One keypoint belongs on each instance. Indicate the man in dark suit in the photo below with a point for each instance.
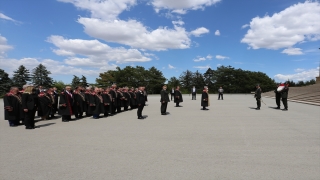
(194, 93)
(141, 102)
(257, 95)
(284, 96)
(164, 100)
(205, 102)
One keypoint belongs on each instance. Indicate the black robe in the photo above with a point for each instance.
(107, 101)
(65, 104)
(204, 99)
(13, 107)
(97, 103)
(133, 99)
(127, 99)
(45, 105)
(177, 96)
(120, 99)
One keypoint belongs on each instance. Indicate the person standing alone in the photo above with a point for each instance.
(164, 100)
(257, 95)
(194, 93)
(220, 91)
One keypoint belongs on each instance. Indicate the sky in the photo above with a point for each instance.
(88, 37)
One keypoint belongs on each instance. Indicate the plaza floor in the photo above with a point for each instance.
(232, 140)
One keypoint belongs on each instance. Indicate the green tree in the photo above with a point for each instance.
(59, 85)
(40, 76)
(186, 79)
(173, 82)
(155, 80)
(83, 81)
(21, 76)
(5, 82)
(106, 79)
(75, 81)
(198, 80)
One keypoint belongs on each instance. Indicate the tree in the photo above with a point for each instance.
(59, 85)
(156, 80)
(173, 82)
(75, 81)
(21, 76)
(198, 80)
(5, 82)
(106, 79)
(40, 76)
(186, 79)
(83, 82)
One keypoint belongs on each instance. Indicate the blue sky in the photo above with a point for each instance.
(87, 37)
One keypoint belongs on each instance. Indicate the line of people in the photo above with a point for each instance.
(21, 106)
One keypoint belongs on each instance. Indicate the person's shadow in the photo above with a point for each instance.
(45, 125)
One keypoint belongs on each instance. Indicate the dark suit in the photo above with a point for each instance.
(141, 103)
(284, 96)
(204, 100)
(177, 97)
(194, 93)
(278, 97)
(258, 97)
(164, 101)
(65, 106)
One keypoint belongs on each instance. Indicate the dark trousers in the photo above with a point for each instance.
(13, 122)
(118, 109)
(164, 107)
(106, 110)
(139, 111)
(285, 103)
(172, 95)
(177, 104)
(113, 109)
(29, 118)
(194, 96)
(66, 117)
(258, 102)
(220, 94)
(278, 102)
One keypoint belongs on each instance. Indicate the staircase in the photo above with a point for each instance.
(306, 94)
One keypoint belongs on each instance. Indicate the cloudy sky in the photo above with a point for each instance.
(87, 37)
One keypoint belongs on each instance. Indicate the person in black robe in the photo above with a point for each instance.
(87, 96)
(45, 104)
(79, 102)
(284, 96)
(145, 95)
(13, 107)
(65, 104)
(127, 98)
(97, 103)
(113, 93)
(141, 102)
(107, 101)
(120, 99)
(29, 106)
(205, 99)
(133, 99)
(164, 100)
(56, 99)
(178, 97)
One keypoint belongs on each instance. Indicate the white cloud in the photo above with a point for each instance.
(218, 65)
(182, 4)
(109, 9)
(292, 51)
(96, 53)
(217, 33)
(299, 70)
(4, 47)
(55, 67)
(2, 16)
(136, 35)
(198, 59)
(198, 32)
(209, 56)
(301, 75)
(221, 57)
(171, 67)
(202, 67)
(245, 26)
(297, 23)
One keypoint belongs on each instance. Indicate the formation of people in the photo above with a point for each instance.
(23, 105)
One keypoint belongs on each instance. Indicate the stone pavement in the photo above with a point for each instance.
(230, 141)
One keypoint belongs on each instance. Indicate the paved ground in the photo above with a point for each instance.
(230, 141)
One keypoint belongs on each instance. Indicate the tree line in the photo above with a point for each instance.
(230, 79)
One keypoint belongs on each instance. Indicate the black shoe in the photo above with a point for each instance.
(65, 121)
(285, 109)
(29, 127)
(257, 108)
(141, 117)
(163, 113)
(278, 108)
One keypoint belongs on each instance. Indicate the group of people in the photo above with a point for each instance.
(279, 94)
(23, 105)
